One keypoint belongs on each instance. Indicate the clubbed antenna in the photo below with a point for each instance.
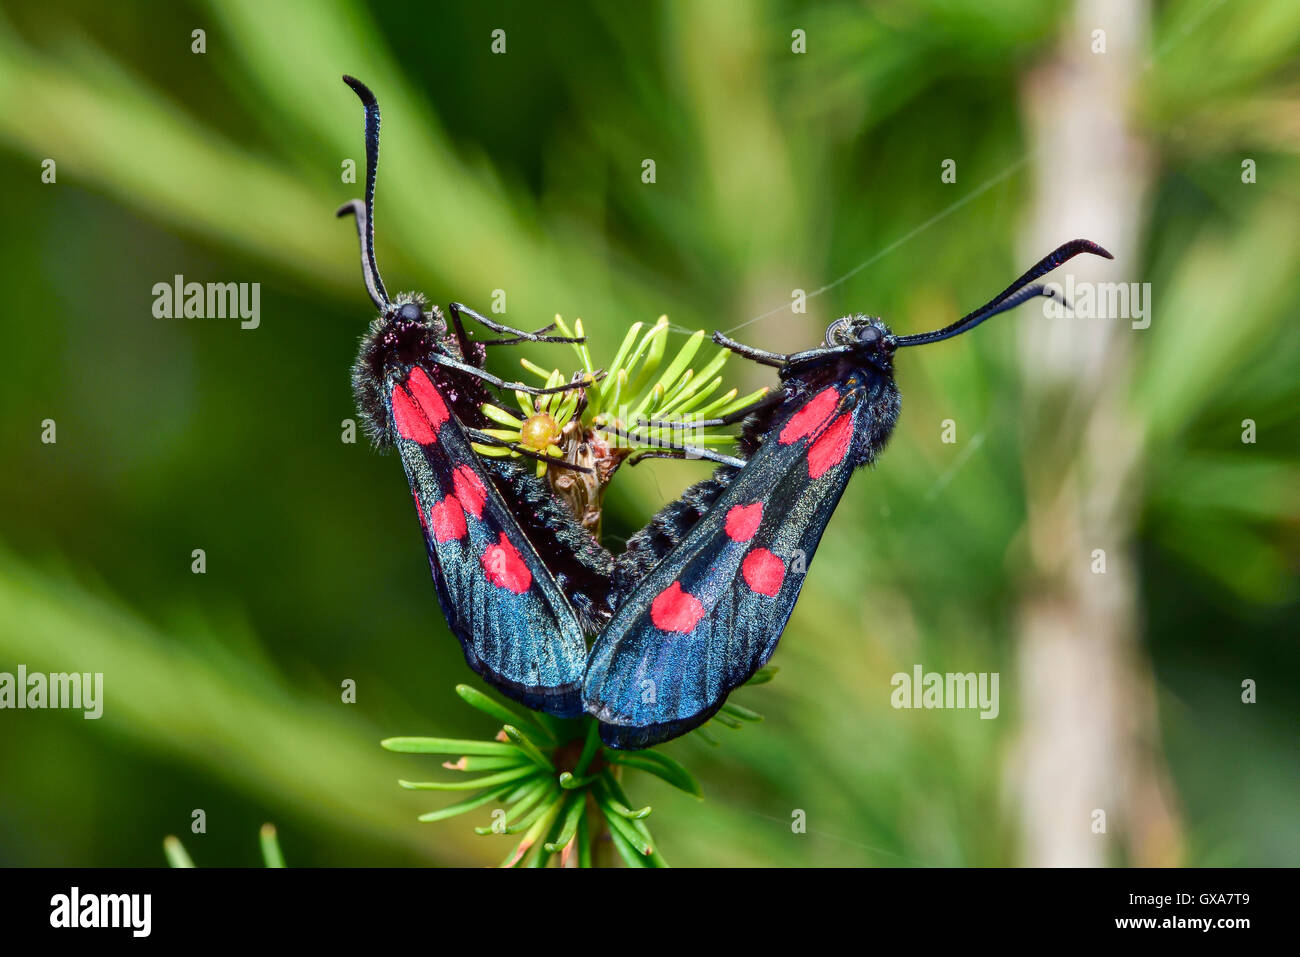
(1018, 292)
(365, 215)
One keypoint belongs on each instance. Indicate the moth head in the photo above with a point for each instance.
(867, 335)
(412, 316)
(408, 312)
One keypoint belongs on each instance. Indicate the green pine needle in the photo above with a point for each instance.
(447, 746)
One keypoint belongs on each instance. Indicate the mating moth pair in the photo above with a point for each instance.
(696, 603)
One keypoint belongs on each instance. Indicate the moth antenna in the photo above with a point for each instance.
(377, 293)
(366, 216)
(1015, 294)
(1017, 298)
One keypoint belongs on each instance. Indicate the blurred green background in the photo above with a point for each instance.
(775, 171)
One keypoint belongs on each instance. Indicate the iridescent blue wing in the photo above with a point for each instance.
(710, 613)
(515, 625)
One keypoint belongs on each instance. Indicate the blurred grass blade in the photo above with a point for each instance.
(177, 856)
(272, 856)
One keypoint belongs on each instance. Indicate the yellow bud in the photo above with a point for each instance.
(538, 431)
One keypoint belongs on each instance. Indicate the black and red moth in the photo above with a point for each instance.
(703, 593)
(518, 579)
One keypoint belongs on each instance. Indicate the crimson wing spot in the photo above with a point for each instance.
(448, 519)
(811, 417)
(829, 448)
(743, 520)
(406, 416)
(676, 610)
(427, 395)
(469, 490)
(505, 567)
(418, 409)
(764, 571)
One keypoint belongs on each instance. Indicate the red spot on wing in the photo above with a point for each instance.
(406, 416)
(742, 521)
(448, 519)
(830, 446)
(418, 409)
(764, 572)
(505, 567)
(811, 417)
(469, 489)
(676, 610)
(426, 393)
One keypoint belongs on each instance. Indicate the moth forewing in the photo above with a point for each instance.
(709, 615)
(514, 624)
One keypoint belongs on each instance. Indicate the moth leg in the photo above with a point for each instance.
(462, 336)
(457, 308)
(514, 341)
(688, 451)
(492, 380)
(749, 352)
(636, 457)
(503, 342)
(484, 439)
(731, 418)
(786, 363)
(812, 357)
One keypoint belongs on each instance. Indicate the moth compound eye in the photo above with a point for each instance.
(410, 312)
(837, 333)
(871, 336)
(538, 432)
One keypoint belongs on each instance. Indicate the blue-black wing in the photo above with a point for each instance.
(515, 625)
(710, 613)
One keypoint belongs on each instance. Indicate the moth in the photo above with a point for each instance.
(519, 580)
(704, 591)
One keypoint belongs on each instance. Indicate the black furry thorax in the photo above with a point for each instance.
(392, 346)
